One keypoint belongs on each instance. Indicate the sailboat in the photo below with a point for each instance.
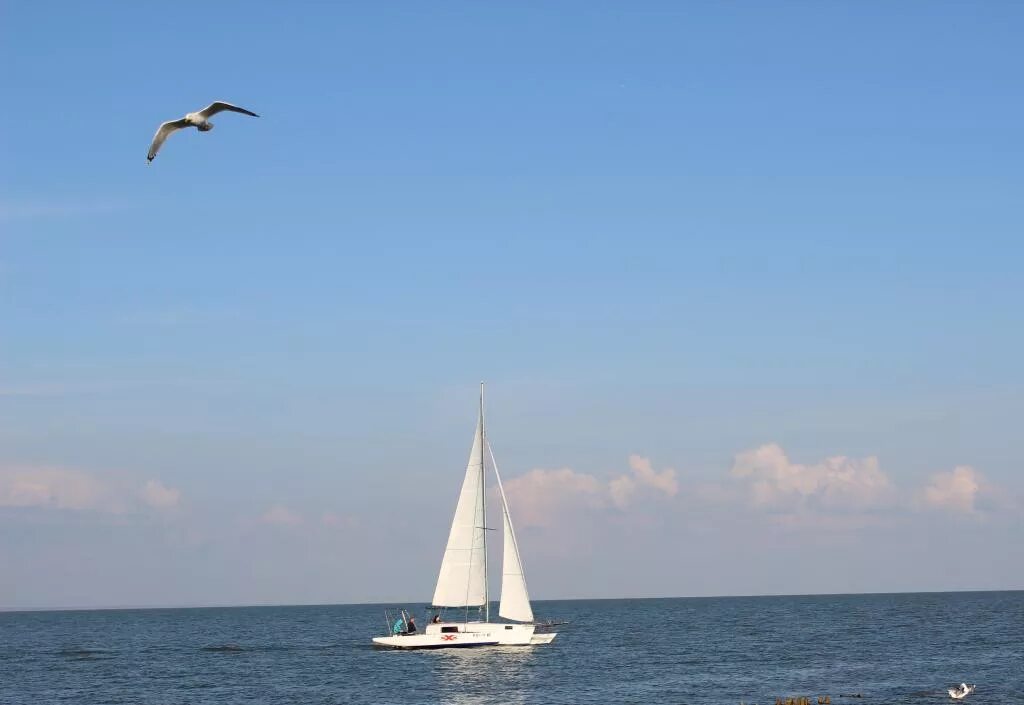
(462, 582)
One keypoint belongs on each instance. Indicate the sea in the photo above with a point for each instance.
(853, 649)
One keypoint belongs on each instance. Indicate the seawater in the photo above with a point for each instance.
(899, 648)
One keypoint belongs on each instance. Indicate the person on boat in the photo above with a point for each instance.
(399, 626)
(412, 625)
(436, 619)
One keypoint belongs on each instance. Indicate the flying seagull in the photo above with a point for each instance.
(199, 120)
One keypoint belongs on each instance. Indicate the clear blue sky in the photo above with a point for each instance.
(246, 372)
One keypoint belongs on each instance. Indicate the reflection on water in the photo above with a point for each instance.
(478, 676)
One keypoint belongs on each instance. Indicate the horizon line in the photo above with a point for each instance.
(267, 605)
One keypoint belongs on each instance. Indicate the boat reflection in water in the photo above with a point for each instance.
(478, 676)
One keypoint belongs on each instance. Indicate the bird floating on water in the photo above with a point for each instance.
(199, 120)
(961, 691)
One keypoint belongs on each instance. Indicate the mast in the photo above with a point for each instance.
(483, 501)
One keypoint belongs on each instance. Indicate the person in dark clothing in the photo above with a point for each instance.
(411, 622)
(436, 619)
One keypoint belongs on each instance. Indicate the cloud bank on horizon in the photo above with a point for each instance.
(588, 518)
(56, 488)
(762, 479)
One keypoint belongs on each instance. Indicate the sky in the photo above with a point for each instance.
(744, 281)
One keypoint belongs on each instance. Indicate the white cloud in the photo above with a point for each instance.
(60, 488)
(621, 490)
(539, 496)
(279, 515)
(56, 488)
(837, 482)
(71, 489)
(955, 491)
(156, 494)
(665, 481)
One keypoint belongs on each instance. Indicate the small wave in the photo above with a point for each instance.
(84, 653)
(224, 648)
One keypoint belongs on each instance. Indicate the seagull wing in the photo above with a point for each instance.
(220, 106)
(161, 134)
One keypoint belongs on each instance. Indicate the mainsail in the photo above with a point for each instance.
(515, 600)
(463, 578)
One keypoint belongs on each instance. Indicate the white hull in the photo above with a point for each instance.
(453, 635)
